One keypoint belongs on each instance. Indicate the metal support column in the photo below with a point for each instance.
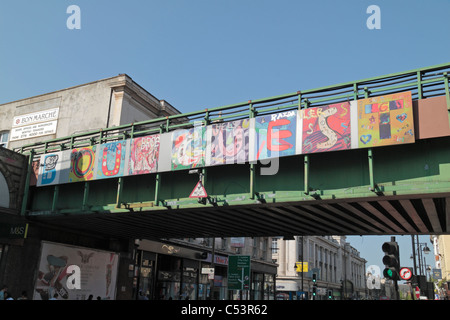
(252, 164)
(158, 175)
(447, 94)
(27, 183)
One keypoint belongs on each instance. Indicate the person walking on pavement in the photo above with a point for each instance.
(2, 292)
(23, 296)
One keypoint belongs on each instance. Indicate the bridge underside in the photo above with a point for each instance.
(418, 214)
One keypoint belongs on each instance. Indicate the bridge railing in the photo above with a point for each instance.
(423, 83)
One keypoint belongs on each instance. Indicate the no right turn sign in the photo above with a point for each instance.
(405, 273)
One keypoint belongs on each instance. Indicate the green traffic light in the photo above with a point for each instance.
(389, 273)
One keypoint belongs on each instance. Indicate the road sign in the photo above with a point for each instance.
(301, 266)
(199, 191)
(238, 272)
(405, 273)
(437, 274)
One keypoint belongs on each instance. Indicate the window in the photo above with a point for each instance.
(274, 245)
(4, 135)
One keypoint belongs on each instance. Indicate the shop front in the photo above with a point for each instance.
(170, 272)
(287, 290)
(263, 282)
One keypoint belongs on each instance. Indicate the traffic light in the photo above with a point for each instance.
(314, 283)
(330, 294)
(391, 260)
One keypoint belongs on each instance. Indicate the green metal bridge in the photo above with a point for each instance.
(381, 176)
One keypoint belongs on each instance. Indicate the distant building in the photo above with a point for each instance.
(339, 269)
(441, 245)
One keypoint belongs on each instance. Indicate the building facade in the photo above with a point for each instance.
(441, 246)
(178, 269)
(338, 269)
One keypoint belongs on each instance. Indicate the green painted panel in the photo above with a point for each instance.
(422, 167)
(289, 175)
(41, 198)
(339, 170)
(177, 184)
(424, 161)
(228, 179)
(144, 193)
(102, 192)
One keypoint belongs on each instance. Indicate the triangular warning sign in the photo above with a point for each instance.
(199, 191)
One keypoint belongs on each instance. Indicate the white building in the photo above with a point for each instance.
(339, 268)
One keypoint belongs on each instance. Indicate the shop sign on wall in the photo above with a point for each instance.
(35, 124)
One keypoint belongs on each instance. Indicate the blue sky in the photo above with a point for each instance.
(200, 54)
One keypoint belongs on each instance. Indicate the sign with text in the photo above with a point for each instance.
(14, 231)
(96, 271)
(34, 124)
(239, 273)
(301, 266)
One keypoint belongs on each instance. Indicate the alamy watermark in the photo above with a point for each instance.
(74, 20)
(373, 277)
(189, 148)
(74, 277)
(374, 20)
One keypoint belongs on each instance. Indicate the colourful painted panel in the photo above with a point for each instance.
(82, 163)
(111, 159)
(326, 128)
(230, 142)
(144, 155)
(50, 169)
(188, 148)
(385, 120)
(275, 135)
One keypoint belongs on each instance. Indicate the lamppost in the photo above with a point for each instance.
(425, 250)
(420, 258)
(421, 248)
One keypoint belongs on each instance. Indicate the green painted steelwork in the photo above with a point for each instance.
(423, 82)
(447, 93)
(397, 170)
(420, 168)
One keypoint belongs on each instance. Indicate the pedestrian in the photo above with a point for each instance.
(23, 296)
(142, 296)
(91, 297)
(55, 297)
(8, 296)
(2, 292)
(99, 298)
